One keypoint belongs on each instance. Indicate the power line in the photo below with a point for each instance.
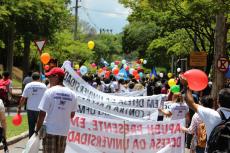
(104, 12)
(90, 20)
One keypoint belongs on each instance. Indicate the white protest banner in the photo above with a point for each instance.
(133, 93)
(94, 102)
(91, 134)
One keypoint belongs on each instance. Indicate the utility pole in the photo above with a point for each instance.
(76, 20)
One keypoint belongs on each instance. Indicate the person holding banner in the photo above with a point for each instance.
(57, 107)
(178, 110)
(195, 125)
(210, 117)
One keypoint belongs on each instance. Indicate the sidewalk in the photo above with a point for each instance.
(15, 139)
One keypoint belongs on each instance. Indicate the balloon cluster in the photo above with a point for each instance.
(141, 61)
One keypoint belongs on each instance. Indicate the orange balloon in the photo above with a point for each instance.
(45, 58)
(137, 77)
(107, 74)
(115, 71)
(100, 70)
(135, 72)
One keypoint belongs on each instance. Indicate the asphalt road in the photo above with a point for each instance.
(19, 146)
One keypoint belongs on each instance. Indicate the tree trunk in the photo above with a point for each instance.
(9, 45)
(219, 51)
(209, 62)
(26, 55)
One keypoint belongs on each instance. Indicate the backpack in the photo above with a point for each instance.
(107, 88)
(219, 140)
(201, 135)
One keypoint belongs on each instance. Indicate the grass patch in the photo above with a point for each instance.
(17, 83)
(13, 130)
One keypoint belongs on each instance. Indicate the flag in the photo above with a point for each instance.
(227, 75)
(153, 72)
(122, 74)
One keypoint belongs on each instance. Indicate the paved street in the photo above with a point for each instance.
(18, 147)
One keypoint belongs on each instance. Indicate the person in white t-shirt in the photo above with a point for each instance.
(107, 86)
(33, 93)
(115, 84)
(210, 117)
(57, 107)
(178, 109)
(122, 88)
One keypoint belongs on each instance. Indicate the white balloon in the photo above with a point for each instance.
(178, 69)
(83, 70)
(123, 61)
(161, 75)
(131, 70)
(145, 61)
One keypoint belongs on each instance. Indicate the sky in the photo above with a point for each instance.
(107, 14)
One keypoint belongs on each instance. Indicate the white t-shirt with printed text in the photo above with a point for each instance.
(110, 85)
(58, 102)
(178, 110)
(33, 92)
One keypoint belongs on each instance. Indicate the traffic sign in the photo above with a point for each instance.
(222, 64)
(40, 45)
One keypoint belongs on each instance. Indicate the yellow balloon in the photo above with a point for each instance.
(172, 82)
(170, 75)
(141, 60)
(152, 77)
(91, 45)
(148, 76)
(76, 66)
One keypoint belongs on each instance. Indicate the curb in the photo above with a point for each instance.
(15, 139)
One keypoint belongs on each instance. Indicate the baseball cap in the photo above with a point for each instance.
(56, 71)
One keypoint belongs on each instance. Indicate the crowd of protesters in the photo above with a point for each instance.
(193, 106)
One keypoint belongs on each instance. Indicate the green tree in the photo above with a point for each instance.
(205, 22)
(29, 20)
(107, 46)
